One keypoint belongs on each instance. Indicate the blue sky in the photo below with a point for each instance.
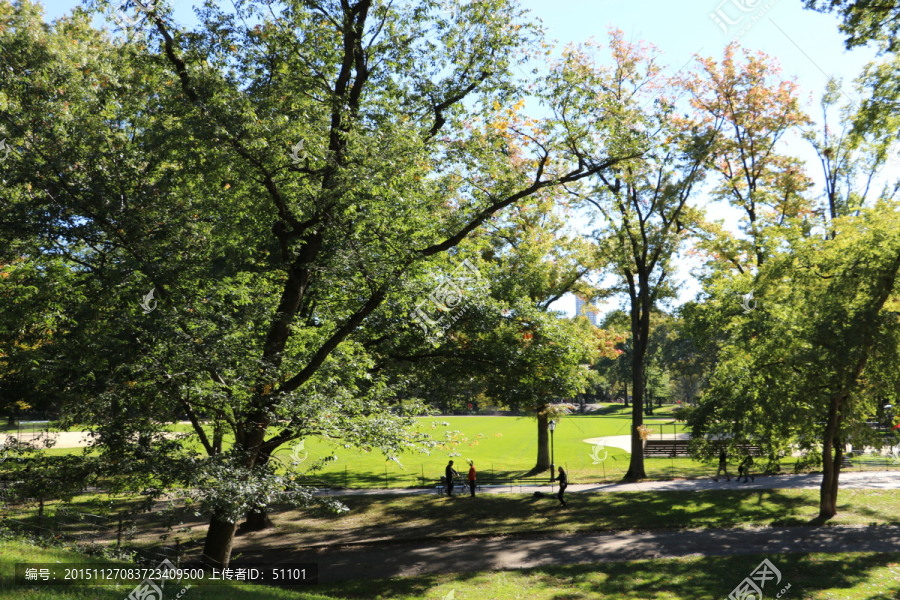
(807, 44)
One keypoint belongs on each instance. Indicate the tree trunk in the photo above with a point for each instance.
(220, 534)
(636, 464)
(829, 489)
(256, 520)
(219, 540)
(625, 384)
(831, 461)
(640, 330)
(543, 449)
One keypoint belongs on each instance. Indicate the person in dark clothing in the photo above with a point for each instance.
(723, 466)
(472, 476)
(563, 480)
(449, 474)
(744, 469)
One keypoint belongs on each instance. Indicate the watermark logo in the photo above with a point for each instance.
(736, 17)
(144, 7)
(748, 303)
(146, 303)
(451, 595)
(152, 589)
(299, 452)
(751, 588)
(4, 150)
(893, 155)
(298, 153)
(3, 453)
(445, 305)
(595, 453)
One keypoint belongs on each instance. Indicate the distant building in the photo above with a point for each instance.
(584, 309)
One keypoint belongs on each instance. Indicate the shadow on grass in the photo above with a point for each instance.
(380, 518)
(692, 578)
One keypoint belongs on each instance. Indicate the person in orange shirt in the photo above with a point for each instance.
(472, 476)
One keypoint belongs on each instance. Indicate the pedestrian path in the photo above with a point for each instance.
(884, 480)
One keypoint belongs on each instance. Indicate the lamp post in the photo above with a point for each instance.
(551, 426)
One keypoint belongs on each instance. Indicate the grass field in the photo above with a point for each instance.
(502, 447)
(848, 576)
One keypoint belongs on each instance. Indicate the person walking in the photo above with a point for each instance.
(723, 466)
(472, 476)
(563, 480)
(449, 474)
(744, 468)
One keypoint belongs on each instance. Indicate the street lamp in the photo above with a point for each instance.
(551, 426)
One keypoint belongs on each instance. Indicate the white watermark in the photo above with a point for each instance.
(447, 303)
(152, 589)
(124, 16)
(595, 453)
(298, 153)
(736, 17)
(751, 588)
(748, 303)
(893, 155)
(146, 303)
(299, 452)
(4, 150)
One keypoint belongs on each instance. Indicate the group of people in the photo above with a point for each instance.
(450, 474)
(743, 468)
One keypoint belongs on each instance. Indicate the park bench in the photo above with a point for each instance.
(679, 448)
(666, 448)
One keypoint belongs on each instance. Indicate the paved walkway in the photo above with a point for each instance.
(881, 480)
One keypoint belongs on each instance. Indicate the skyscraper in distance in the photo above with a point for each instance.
(584, 309)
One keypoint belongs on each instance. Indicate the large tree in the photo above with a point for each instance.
(268, 187)
(800, 369)
(639, 206)
(752, 109)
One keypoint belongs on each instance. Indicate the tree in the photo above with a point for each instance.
(506, 346)
(267, 193)
(752, 111)
(639, 206)
(852, 156)
(795, 369)
(864, 20)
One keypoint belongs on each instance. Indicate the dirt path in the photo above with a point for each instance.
(376, 561)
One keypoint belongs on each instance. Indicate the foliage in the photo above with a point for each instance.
(865, 21)
(819, 332)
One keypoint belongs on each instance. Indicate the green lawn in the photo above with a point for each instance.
(848, 576)
(501, 447)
